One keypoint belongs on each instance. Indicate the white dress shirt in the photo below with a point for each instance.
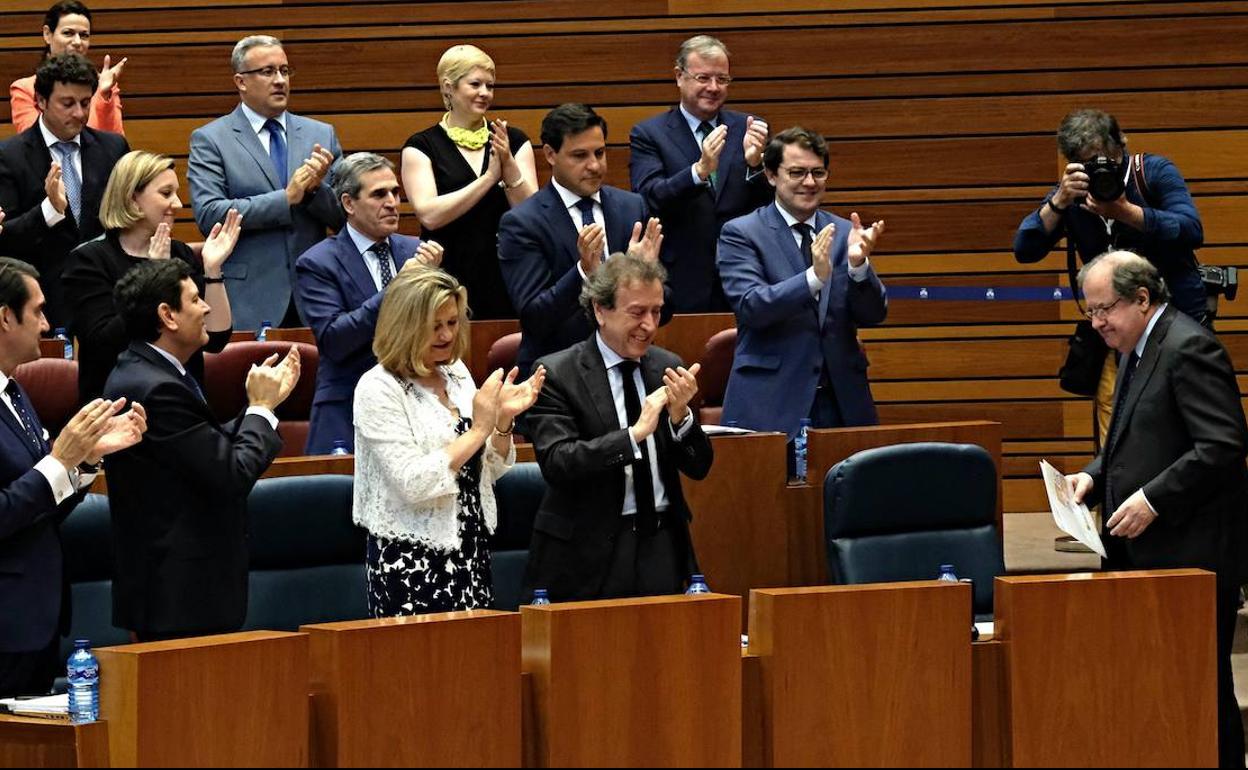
(50, 215)
(257, 122)
(615, 378)
(857, 274)
(371, 260)
(570, 199)
(59, 478)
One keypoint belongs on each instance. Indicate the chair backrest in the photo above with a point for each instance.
(53, 387)
(898, 512)
(86, 537)
(502, 354)
(713, 379)
(519, 494)
(307, 556)
(225, 378)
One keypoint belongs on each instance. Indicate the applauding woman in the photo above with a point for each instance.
(137, 212)
(428, 447)
(462, 175)
(67, 29)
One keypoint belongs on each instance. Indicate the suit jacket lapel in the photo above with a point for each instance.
(785, 242)
(1139, 382)
(251, 143)
(563, 232)
(727, 159)
(598, 390)
(93, 181)
(618, 232)
(10, 419)
(678, 128)
(297, 146)
(352, 263)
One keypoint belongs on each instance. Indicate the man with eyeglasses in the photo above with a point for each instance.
(698, 165)
(1170, 474)
(274, 167)
(800, 282)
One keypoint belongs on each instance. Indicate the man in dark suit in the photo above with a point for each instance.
(1171, 473)
(179, 498)
(800, 283)
(52, 175)
(341, 282)
(41, 483)
(613, 431)
(698, 165)
(549, 245)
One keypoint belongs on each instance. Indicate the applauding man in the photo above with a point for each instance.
(179, 498)
(800, 283)
(613, 431)
(273, 166)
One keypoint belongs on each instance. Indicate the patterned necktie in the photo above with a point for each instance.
(704, 130)
(277, 148)
(69, 175)
(643, 483)
(586, 205)
(25, 417)
(382, 250)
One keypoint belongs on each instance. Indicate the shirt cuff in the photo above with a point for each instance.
(860, 273)
(680, 431)
(267, 414)
(750, 173)
(58, 478)
(1150, 505)
(50, 214)
(581, 271)
(697, 179)
(813, 283)
(633, 441)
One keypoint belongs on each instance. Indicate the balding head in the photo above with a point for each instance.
(1123, 291)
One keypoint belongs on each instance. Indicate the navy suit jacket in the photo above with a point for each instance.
(662, 151)
(783, 338)
(341, 302)
(537, 252)
(31, 572)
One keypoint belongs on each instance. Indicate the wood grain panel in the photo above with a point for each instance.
(43, 743)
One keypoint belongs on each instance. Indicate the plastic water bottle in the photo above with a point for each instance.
(64, 338)
(799, 450)
(83, 671)
(263, 334)
(340, 448)
(947, 574)
(697, 585)
(539, 597)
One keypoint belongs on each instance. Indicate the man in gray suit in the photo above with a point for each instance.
(272, 166)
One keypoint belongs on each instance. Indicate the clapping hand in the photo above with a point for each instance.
(590, 244)
(755, 141)
(651, 408)
(110, 76)
(514, 399)
(123, 431)
(862, 241)
(54, 188)
(159, 246)
(270, 383)
(79, 440)
(646, 245)
(221, 242)
(712, 146)
(485, 404)
(429, 253)
(821, 252)
(682, 385)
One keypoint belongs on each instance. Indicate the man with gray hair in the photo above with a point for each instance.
(613, 432)
(698, 165)
(340, 283)
(1170, 474)
(272, 166)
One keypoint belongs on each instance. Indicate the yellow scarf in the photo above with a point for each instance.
(469, 139)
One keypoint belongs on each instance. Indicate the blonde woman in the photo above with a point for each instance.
(137, 211)
(462, 174)
(428, 447)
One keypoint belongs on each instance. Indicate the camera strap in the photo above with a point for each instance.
(1141, 180)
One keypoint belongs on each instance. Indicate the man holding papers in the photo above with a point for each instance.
(1171, 473)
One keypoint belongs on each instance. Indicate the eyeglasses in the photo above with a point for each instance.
(1093, 313)
(797, 173)
(705, 80)
(268, 73)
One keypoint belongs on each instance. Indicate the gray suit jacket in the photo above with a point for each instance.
(229, 168)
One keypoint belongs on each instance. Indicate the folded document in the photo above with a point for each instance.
(1072, 518)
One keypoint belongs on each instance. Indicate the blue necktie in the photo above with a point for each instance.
(25, 418)
(586, 205)
(193, 384)
(277, 148)
(382, 250)
(69, 175)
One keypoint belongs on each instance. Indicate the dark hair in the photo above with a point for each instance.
(620, 270)
(65, 68)
(64, 8)
(1083, 131)
(807, 140)
(140, 293)
(14, 293)
(569, 120)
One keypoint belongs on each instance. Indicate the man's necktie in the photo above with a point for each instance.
(277, 148)
(704, 130)
(193, 384)
(807, 233)
(25, 417)
(1120, 398)
(643, 483)
(69, 176)
(586, 205)
(382, 250)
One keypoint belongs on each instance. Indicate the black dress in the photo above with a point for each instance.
(93, 271)
(406, 578)
(471, 242)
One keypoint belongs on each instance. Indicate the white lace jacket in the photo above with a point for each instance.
(404, 486)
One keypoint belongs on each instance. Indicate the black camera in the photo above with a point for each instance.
(1107, 178)
(1220, 281)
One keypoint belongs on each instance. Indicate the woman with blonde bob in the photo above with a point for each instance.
(428, 447)
(137, 211)
(463, 173)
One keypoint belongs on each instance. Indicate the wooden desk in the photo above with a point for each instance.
(45, 743)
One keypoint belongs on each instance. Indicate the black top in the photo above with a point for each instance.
(93, 271)
(471, 242)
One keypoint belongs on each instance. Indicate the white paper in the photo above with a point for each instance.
(1070, 517)
(51, 706)
(724, 430)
